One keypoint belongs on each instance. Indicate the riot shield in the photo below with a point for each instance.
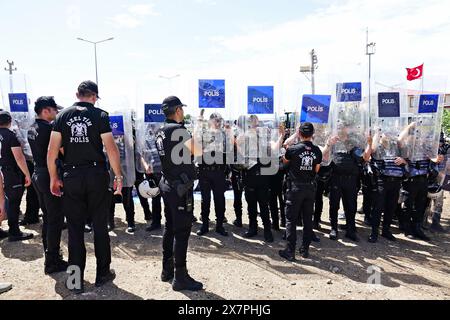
(121, 125)
(216, 139)
(350, 125)
(316, 110)
(19, 105)
(150, 118)
(256, 143)
(391, 134)
(427, 124)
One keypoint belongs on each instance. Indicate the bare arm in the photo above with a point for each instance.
(368, 152)
(114, 160)
(291, 140)
(22, 163)
(194, 147)
(52, 155)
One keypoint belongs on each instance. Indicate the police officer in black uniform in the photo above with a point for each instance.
(344, 184)
(304, 161)
(15, 174)
(212, 175)
(176, 149)
(39, 137)
(257, 183)
(237, 179)
(83, 131)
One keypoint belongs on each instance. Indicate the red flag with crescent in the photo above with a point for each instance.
(414, 73)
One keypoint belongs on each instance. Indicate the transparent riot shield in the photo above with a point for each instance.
(122, 129)
(17, 97)
(215, 139)
(257, 143)
(150, 119)
(350, 125)
(391, 134)
(316, 110)
(427, 125)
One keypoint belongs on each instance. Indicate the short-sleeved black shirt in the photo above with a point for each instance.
(173, 163)
(303, 159)
(8, 140)
(81, 127)
(39, 138)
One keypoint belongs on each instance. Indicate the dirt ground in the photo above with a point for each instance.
(236, 268)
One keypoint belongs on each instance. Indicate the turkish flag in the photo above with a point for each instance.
(414, 73)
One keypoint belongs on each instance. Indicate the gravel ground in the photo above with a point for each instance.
(236, 268)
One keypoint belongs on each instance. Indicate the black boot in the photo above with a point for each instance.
(238, 221)
(252, 230)
(288, 253)
(221, 230)
(268, 236)
(3, 234)
(168, 274)
(183, 281)
(304, 251)
(204, 229)
(21, 236)
(55, 264)
(418, 232)
(103, 279)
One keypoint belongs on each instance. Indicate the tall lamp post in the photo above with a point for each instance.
(95, 43)
(370, 51)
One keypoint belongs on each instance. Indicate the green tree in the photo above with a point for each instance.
(446, 122)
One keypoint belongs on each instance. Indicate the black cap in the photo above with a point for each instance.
(171, 103)
(88, 87)
(45, 102)
(5, 117)
(307, 129)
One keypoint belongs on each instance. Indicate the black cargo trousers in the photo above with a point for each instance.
(13, 181)
(52, 209)
(344, 187)
(179, 213)
(300, 199)
(212, 178)
(87, 196)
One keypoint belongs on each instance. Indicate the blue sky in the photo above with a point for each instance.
(248, 42)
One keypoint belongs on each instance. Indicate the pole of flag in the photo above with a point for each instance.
(423, 79)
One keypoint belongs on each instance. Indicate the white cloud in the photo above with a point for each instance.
(143, 10)
(407, 32)
(124, 20)
(134, 17)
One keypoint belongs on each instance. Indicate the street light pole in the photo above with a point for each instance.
(370, 51)
(11, 69)
(314, 66)
(95, 43)
(311, 69)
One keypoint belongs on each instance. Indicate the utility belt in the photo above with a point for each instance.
(181, 186)
(345, 176)
(391, 179)
(291, 185)
(40, 169)
(99, 165)
(212, 167)
(10, 169)
(421, 178)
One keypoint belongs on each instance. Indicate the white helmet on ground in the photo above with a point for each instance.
(435, 192)
(148, 189)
